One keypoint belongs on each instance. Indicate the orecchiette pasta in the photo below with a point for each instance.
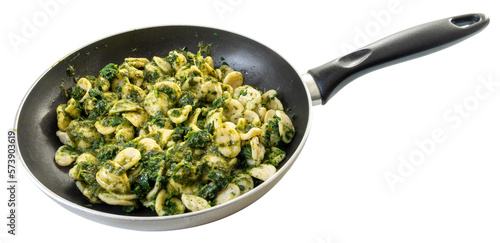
(65, 155)
(270, 100)
(194, 203)
(227, 140)
(64, 138)
(63, 118)
(244, 182)
(248, 96)
(234, 79)
(230, 192)
(175, 134)
(117, 199)
(263, 171)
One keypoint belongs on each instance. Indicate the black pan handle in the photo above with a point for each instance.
(402, 46)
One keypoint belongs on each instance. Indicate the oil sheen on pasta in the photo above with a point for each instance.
(174, 134)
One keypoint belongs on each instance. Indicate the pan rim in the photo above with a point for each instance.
(257, 192)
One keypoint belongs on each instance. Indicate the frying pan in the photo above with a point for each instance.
(36, 123)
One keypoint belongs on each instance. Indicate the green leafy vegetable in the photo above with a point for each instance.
(109, 72)
(198, 139)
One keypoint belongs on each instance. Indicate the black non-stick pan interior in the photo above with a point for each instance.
(37, 123)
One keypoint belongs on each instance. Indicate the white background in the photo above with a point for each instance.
(337, 190)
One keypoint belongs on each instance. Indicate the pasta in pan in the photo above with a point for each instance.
(173, 134)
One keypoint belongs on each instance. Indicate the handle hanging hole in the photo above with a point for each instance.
(466, 21)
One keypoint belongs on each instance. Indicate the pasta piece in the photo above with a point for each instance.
(244, 182)
(115, 199)
(173, 204)
(179, 59)
(188, 71)
(133, 93)
(179, 115)
(162, 64)
(178, 188)
(194, 119)
(233, 109)
(215, 117)
(64, 138)
(63, 118)
(269, 115)
(137, 118)
(192, 84)
(124, 106)
(124, 132)
(253, 132)
(262, 172)
(102, 83)
(271, 101)
(286, 129)
(72, 108)
(209, 61)
(227, 140)
(159, 122)
(105, 127)
(152, 72)
(65, 155)
(158, 184)
(171, 89)
(83, 133)
(110, 97)
(249, 97)
(121, 79)
(154, 191)
(161, 136)
(84, 189)
(258, 152)
(194, 203)
(160, 203)
(274, 156)
(231, 192)
(137, 62)
(251, 117)
(148, 145)
(208, 69)
(241, 124)
(210, 91)
(127, 158)
(136, 77)
(155, 103)
(85, 85)
(223, 71)
(261, 111)
(134, 172)
(234, 79)
(112, 182)
(83, 159)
